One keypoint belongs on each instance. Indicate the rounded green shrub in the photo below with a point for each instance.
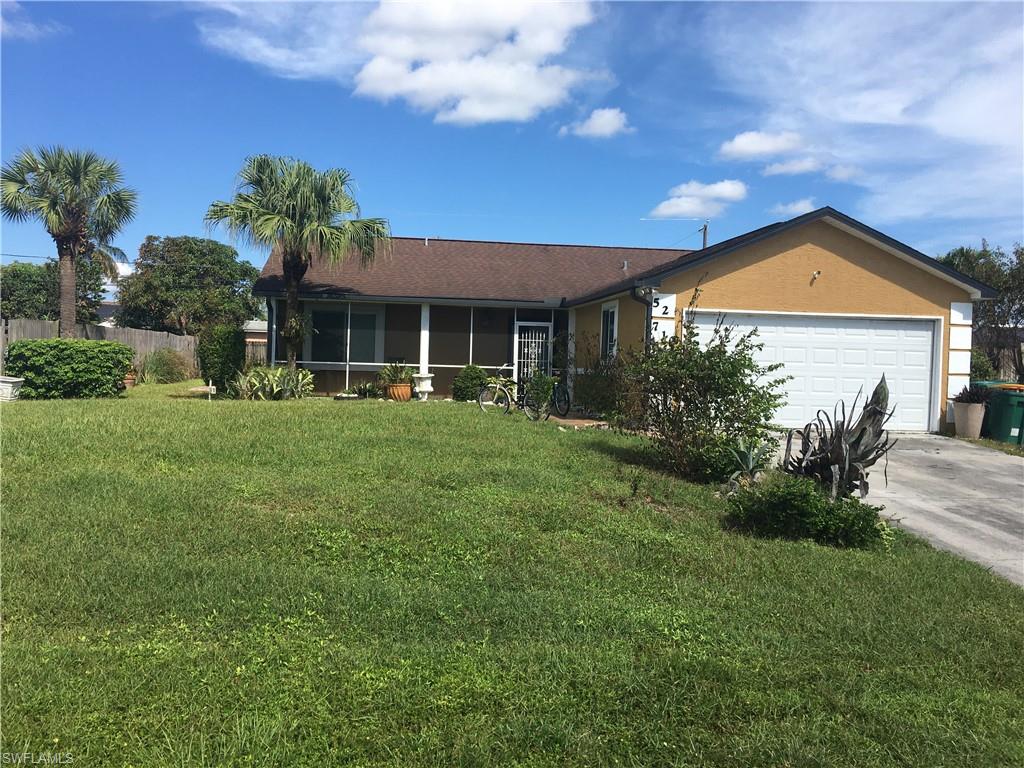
(65, 368)
(468, 382)
(165, 366)
(221, 353)
(791, 507)
(981, 367)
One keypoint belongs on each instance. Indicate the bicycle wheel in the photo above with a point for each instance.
(494, 398)
(560, 400)
(531, 409)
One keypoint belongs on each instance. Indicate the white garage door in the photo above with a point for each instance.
(830, 358)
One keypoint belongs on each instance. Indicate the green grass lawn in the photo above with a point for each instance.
(997, 445)
(364, 583)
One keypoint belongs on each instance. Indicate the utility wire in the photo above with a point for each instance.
(697, 231)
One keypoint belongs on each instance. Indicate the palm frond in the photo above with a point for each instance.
(284, 203)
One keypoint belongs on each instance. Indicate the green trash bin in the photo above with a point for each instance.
(1005, 415)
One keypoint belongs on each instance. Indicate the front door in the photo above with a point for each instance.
(532, 350)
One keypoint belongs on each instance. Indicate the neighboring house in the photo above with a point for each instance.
(836, 302)
(255, 331)
(106, 311)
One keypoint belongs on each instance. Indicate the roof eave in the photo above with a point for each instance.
(974, 288)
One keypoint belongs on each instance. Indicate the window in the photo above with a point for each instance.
(364, 337)
(329, 336)
(609, 329)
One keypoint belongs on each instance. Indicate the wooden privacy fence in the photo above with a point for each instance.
(143, 342)
(255, 352)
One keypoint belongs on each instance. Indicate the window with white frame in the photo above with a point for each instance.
(609, 329)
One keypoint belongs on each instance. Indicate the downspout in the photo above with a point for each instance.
(646, 297)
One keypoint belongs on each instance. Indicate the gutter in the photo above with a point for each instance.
(645, 298)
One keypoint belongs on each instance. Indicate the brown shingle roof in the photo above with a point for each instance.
(475, 270)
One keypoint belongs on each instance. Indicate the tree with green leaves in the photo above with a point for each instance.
(78, 196)
(182, 284)
(33, 290)
(998, 323)
(303, 215)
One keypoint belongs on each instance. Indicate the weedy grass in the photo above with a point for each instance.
(316, 582)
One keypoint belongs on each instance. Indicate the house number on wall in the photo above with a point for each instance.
(663, 316)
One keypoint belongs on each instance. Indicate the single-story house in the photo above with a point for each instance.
(255, 331)
(835, 301)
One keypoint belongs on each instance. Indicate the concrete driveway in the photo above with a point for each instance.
(959, 496)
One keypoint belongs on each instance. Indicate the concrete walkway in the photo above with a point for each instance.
(961, 497)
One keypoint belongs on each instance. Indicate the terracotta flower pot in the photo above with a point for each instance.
(400, 392)
(129, 381)
(968, 418)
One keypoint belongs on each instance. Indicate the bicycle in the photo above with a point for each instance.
(501, 393)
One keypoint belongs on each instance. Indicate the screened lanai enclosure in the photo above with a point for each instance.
(348, 342)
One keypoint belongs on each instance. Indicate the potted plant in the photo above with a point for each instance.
(969, 410)
(397, 381)
(130, 378)
(10, 386)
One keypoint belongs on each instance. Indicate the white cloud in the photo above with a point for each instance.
(793, 167)
(15, 24)
(697, 200)
(753, 144)
(471, 62)
(299, 41)
(843, 172)
(602, 124)
(466, 62)
(919, 104)
(796, 208)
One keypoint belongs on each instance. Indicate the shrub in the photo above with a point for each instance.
(791, 507)
(221, 354)
(601, 386)
(370, 390)
(165, 366)
(539, 389)
(262, 383)
(698, 401)
(59, 368)
(981, 366)
(468, 382)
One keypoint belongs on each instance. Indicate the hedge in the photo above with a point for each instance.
(468, 382)
(221, 354)
(63, 368)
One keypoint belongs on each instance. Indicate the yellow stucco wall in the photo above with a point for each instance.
(632, 315)
(775, 275)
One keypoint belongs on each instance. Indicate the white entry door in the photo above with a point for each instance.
(831, 358)
(532, 350)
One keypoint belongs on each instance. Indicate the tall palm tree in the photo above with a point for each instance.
(78, 197)
(303, 214)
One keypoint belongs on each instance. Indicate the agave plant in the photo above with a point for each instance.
(836, 451)
(751, 460)
(272, 384)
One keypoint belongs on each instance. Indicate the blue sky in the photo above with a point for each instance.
(554, 122)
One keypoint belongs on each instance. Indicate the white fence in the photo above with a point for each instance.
(143, 342)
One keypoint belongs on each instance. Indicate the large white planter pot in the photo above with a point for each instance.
(968, 418)
(424, 384)
(9, 387)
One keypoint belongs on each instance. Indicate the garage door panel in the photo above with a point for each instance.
(885, 358)
(831, 358)
(913, 359)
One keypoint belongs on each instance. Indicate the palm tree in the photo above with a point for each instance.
(78, 197)
(303, 214)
